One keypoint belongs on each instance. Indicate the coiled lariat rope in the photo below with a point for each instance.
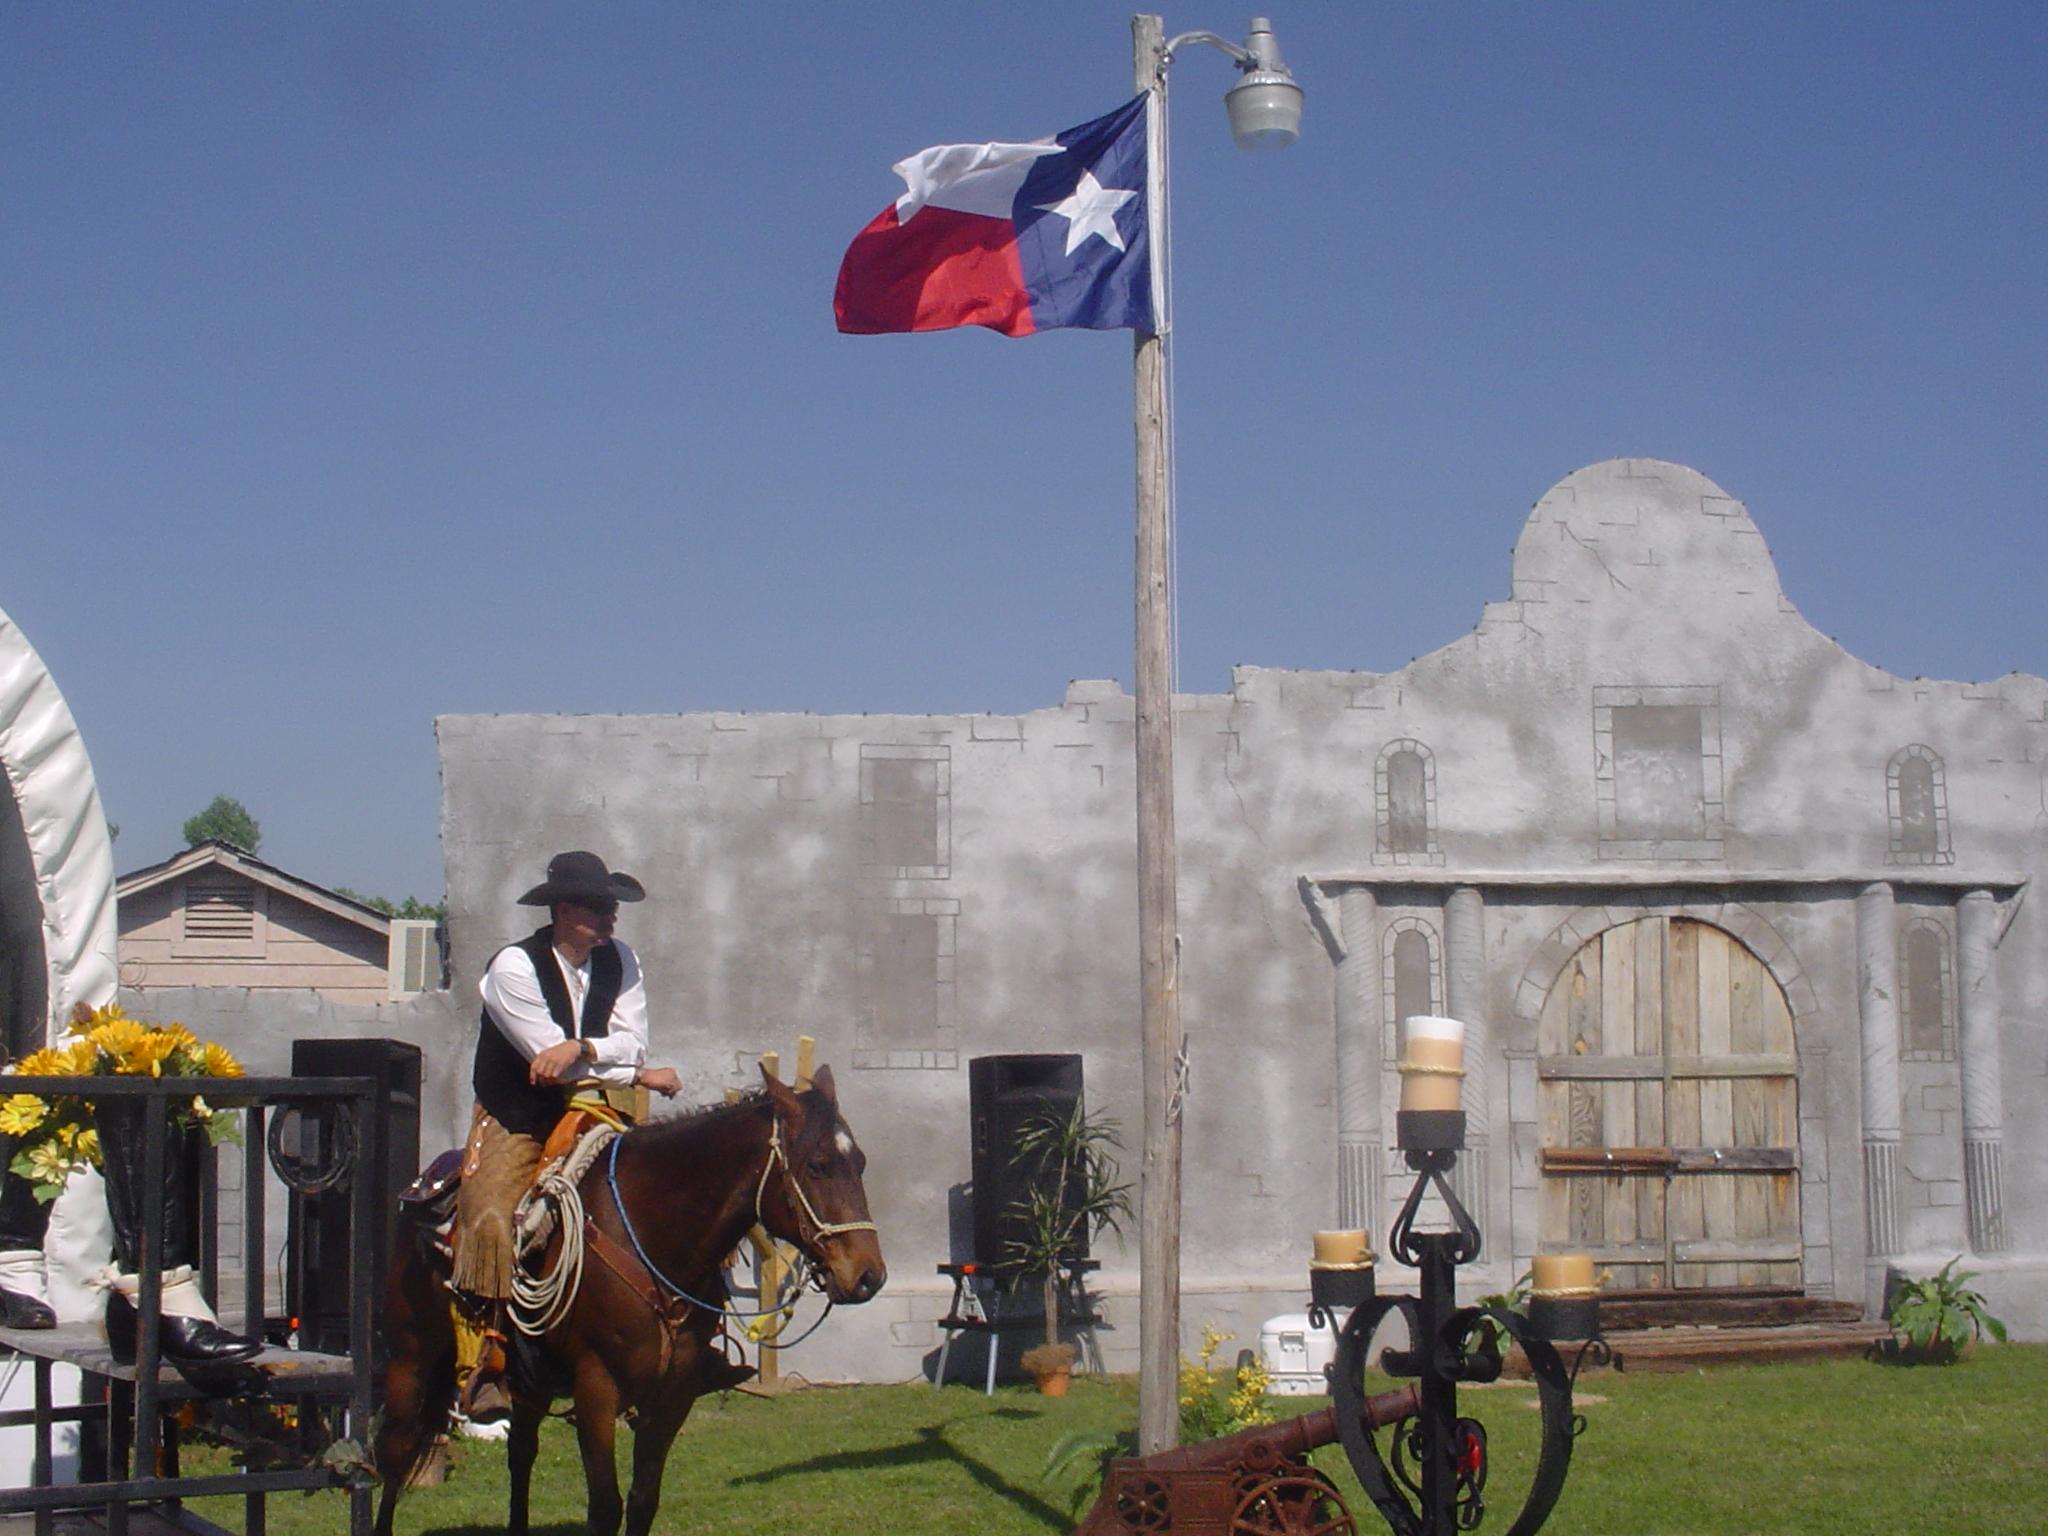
(541, 1301)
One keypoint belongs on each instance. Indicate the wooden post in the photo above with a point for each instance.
(771, 1264)
(1158, 967)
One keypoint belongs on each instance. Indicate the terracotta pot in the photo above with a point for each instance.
(1054, 1383)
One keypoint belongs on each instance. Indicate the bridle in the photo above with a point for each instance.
(777, 1155)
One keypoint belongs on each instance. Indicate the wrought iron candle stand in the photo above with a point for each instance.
(1438, 1457)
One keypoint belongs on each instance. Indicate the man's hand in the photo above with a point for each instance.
(555, 1064)
(661, 1080)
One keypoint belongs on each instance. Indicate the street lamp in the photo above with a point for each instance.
(1264, 106)
(1265, 113)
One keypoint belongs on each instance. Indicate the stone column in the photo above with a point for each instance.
(1978, 1045)
(1359, 1133)
(1465, 1001)
(1877, 980)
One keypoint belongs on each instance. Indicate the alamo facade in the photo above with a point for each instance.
(1740, 925)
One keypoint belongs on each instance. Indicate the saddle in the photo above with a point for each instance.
(429, 1201)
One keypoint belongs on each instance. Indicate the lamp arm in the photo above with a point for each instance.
(1241, 57)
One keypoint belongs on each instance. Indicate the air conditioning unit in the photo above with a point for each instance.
(417, 963)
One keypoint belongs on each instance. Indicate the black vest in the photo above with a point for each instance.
(500, 1077)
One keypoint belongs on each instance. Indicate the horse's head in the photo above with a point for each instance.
(819, 1202)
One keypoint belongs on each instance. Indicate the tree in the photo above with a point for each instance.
(229, 820)
(412, 906)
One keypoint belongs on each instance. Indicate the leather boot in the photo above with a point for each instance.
(486, 1399)
(190, 1336)
(24, 1222)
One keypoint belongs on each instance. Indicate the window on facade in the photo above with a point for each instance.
(1659, 779)
(1413, 988)
(1925, 987)
(905, 958)
(1917, 792)
(1407, 807)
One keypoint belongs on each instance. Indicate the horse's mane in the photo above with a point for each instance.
(655, 1134)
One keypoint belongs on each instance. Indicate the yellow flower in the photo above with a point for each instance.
(42, 1063)
(48, 1163)
(87, 1145)
(80, 1059)
(182, 1039)
(120, 1039)
(21, 1113)
(148, 1053)
(214, 1061)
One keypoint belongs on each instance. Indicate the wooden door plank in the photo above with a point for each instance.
(1717, 1107)
(1684, 1213)
(1621, 982)
(1553, 1101)
(1652, 939)
(1747, 982)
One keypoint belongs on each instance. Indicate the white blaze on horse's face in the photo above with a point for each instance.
(843, 1142)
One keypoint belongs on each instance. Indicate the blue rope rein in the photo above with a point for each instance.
(724, 1308)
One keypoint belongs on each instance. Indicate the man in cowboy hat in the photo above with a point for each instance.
(564, 1009)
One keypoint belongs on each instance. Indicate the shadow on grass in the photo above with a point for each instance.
(559, 1528)
(930, 1446)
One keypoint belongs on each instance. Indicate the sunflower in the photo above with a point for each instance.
(119, 1038)
(216, 1061)
(21, 1113)
(42, 1063)
(150, 1052)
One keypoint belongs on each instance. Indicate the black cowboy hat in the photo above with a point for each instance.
(582, 878)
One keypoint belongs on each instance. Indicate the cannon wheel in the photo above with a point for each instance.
(1296, 1504)
(1142, 1502)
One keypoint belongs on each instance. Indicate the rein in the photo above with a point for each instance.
(801, 1277)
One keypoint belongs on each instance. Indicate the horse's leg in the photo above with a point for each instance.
(522, 1445)
(654, 1431)
(597, 1417)
(419, 1381)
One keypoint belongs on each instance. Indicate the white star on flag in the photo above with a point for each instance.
(1090, 209)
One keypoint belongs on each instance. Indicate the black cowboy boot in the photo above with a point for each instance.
(190, 1337)
(24, 1221)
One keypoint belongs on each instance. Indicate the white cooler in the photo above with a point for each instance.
(1294, 1355)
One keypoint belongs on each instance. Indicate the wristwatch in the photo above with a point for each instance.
(586, 1049)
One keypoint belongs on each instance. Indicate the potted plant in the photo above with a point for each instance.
(1939, 1319)
(1073, 1195)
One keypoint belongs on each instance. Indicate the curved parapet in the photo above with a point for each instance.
(56, 858)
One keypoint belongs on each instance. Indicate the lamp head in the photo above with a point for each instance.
(1265, 104)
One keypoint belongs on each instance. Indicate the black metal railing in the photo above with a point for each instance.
(141, 1468)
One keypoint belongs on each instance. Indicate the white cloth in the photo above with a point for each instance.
(512, 997)
(180, 1297)
(78, 1243)
(22, 1272)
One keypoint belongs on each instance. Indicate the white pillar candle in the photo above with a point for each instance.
(1432, 1063)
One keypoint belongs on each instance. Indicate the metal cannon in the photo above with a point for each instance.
(1257, 1482)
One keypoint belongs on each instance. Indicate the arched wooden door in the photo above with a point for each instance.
(1669, 1098)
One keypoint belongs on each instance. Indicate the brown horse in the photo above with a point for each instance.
(639, 1336)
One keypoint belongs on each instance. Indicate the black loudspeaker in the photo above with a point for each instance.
(1005, 1092)
(318, 1252)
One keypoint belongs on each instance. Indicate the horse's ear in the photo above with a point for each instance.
(822, 1081)
(782, 1095)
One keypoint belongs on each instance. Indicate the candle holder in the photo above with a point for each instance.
(1429, 1130)
(1564, 1318)
(1336, 1288)
(1432, 1479)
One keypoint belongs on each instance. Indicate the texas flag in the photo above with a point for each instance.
(1016, 237)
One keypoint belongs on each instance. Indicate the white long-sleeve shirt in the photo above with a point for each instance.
(512, 997)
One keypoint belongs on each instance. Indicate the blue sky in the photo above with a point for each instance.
(370, 362)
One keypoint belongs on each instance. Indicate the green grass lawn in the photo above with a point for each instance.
(1844, 1448)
